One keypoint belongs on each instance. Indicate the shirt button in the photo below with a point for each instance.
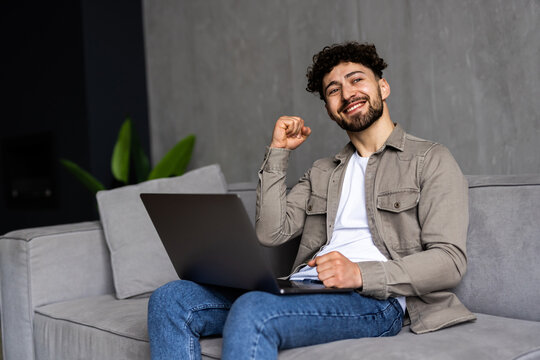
(309, 207)
(396, 205)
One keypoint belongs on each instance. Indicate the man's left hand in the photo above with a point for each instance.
(335, 270)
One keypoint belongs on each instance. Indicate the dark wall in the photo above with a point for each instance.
(115, 77)
(70, 73)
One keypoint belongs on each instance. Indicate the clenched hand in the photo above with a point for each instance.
(289, 133)
(335, 270)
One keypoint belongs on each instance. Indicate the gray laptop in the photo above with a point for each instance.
(210, 240)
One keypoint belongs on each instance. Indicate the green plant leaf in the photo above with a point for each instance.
(175, 162)
(83, 176)
(141, 163)
(120, 156)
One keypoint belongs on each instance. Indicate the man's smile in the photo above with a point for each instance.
(354, 105)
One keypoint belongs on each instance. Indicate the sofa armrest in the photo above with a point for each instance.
(44, 265)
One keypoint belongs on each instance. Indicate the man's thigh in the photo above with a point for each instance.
(301, 320)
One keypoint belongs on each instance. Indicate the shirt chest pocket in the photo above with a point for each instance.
(399, 217)
(398, 201)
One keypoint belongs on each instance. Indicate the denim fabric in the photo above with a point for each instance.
(255, 325)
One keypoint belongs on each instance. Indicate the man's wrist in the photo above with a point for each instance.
(276, 146)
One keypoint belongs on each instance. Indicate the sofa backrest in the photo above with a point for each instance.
(503, 245)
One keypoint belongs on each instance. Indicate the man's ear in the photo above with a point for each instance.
(385, 88)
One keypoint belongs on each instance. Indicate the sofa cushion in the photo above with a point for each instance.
(106, 328)
(100, 327)
(92, 328)
(139, 261)
(489, 337)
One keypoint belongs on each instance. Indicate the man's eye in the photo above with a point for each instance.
(357, 80)
(333, 91)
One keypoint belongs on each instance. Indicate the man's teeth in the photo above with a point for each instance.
(354, 107)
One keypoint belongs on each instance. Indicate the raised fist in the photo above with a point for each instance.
(289, 133)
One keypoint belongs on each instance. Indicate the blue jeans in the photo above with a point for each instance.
(255, 325)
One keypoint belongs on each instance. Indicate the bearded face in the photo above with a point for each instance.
(360, 121)
(353, 95)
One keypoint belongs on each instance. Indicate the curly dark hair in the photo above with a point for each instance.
(330, 56)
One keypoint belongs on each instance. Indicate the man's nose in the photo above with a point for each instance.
(348, 92)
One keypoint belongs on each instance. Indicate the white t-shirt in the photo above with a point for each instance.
(351, 236)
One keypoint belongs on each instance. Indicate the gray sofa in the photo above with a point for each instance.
(58, 297)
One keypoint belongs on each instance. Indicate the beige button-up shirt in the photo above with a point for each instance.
(417, 207)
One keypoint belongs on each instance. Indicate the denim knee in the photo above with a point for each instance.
(249, 332)
(253, 301)
(163, 292)
(249, 312)
(165, 298)
(242, 312)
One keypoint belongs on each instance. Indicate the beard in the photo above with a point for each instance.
(361, 122)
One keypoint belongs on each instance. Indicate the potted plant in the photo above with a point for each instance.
(127, 152)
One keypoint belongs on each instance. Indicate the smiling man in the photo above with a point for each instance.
(387, 216)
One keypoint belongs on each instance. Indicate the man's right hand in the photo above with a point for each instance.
(289, 133)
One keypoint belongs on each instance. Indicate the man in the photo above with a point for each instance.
(386, 216)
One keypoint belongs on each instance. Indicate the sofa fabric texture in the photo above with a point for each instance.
(119, 327)
(59, 301)
(46, 265)
(139, 261)
(503, 244)
(103, 326)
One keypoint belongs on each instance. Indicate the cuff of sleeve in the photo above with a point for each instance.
(373, 279)
(276, 159)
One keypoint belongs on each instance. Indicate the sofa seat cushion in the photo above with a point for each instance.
(100, 327)
(92, 328)
(106, 328)
(489, 337)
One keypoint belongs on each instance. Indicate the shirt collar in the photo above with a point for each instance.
(395, 140)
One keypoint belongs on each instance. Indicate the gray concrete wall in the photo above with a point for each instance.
(464, 73)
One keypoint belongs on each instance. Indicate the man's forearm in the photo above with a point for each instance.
(279, 217)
